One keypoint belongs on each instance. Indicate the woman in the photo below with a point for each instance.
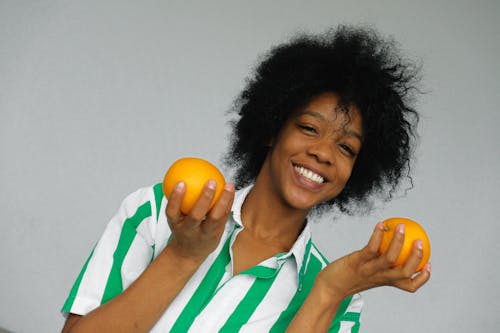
(325, 123)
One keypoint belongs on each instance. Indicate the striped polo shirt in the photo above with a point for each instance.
(263, 298)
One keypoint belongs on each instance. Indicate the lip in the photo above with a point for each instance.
(312, 185)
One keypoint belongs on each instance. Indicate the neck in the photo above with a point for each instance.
(267, 217)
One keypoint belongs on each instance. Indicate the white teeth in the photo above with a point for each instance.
(309, 174)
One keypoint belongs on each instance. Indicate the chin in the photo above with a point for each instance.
(300, 202)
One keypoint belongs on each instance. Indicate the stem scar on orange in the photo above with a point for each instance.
(195, 173)
(413, 232)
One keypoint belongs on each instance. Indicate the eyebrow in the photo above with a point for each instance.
(323, 118)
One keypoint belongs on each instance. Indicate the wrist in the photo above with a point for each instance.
(182, 261)
(328, 293)
(317, 311)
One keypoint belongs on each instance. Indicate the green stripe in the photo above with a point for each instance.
(261, 271)
(342, 308)
(321, 254)
(204, 292)
(304, 262)
(348, 316)
(355, 328)
(158, 192)
(74, 290)
(114, 284)
(313, 268)
(153, 249)
(248, 304)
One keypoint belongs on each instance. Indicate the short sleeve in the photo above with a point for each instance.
(122, 253)
(347, 319)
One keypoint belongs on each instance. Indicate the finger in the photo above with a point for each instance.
(392, 254)
(370, 251)
(200, 208)
(173, 209)
(409, 268)
(416, 255)
(220, 212)
(413, 284)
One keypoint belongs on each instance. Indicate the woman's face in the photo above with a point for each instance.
(313, 156)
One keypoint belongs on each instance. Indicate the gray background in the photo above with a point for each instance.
(98, 98)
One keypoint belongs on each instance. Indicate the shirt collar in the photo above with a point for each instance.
(239, 198)
(300, 249)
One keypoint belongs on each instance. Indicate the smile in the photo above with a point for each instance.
(309, 174)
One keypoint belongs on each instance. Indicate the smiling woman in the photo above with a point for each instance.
(367, 73)
(325, 122)
(312, 158)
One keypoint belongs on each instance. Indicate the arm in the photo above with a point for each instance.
(140, 306)
(356, 272)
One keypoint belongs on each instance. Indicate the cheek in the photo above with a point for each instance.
(285, 149)
(345, 173)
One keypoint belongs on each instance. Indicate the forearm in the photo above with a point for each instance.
(140, 306)
(317, 312)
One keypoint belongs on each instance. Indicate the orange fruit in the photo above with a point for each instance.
(195, 173)
(413, 231)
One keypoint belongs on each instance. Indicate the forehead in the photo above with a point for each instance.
(327, 108)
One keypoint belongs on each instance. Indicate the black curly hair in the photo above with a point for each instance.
(365, 71)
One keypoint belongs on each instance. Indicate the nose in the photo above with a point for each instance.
(323, 151)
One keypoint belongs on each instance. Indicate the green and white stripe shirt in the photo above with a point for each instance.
(263, 298)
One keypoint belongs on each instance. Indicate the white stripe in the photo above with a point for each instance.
(227, 275)
(346, 326)
(280, 294)
(95, 277)
(152, 200)
(175, 308)
(356, 304)
(146, 230)
(136, 260)
(162, 231)
(225, 301)
(317, 254)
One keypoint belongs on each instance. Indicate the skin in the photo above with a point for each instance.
(275, 210)
(318, 138)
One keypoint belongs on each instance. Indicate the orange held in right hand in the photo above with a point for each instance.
(413, 231)
(195, 173)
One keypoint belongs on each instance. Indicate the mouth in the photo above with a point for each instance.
(309, 174)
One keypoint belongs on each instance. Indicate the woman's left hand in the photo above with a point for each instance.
(368, 268)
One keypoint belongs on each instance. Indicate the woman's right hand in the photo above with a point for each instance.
(197, 234)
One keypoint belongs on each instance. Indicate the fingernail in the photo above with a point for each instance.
(211, 184)
(428, 267)
(400, 228)
(419, 244)
(380, 225)
(180, 186)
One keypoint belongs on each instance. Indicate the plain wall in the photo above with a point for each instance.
(98, 98)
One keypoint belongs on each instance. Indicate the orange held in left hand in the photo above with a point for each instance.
(369, 268)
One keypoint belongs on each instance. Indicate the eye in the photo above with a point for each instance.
(348, 150)
(308, 129)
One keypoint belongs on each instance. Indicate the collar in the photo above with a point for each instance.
(300, 250)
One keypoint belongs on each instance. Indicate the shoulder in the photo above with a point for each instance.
(147, 199)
